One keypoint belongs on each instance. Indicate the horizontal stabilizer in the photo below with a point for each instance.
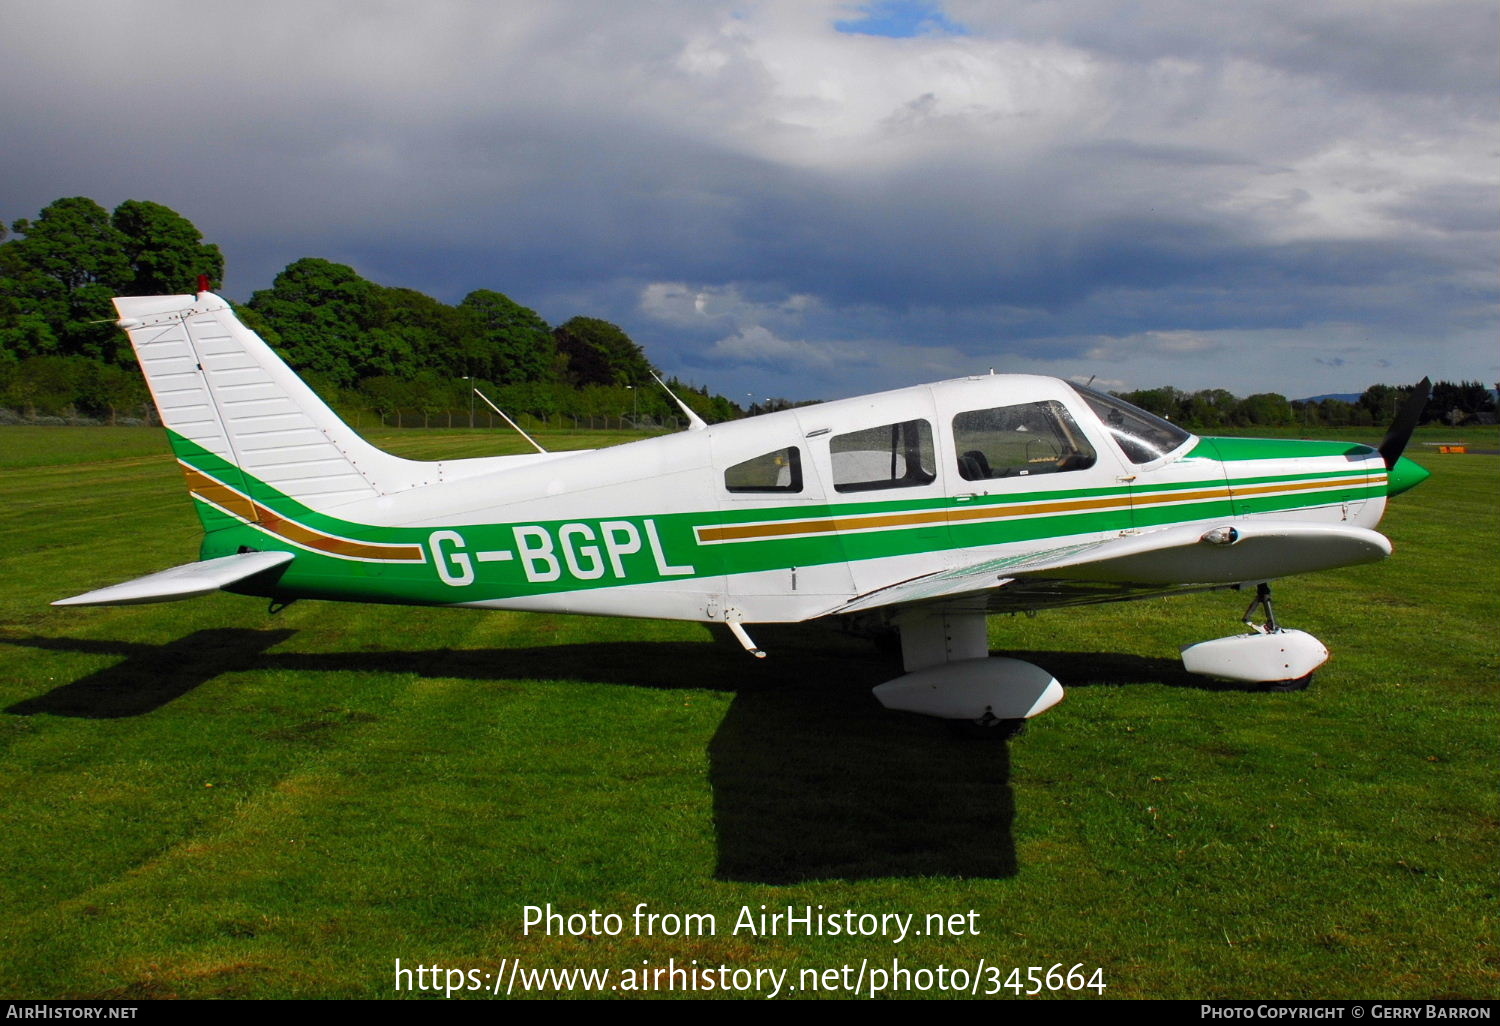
(182, 582)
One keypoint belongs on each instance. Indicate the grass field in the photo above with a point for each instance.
(205, 800)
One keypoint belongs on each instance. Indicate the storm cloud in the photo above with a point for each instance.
(816, 199)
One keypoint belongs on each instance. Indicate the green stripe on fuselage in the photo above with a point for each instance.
(641, 549)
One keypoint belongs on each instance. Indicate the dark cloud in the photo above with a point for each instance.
(1442, 47)
(1452, 208)
(1223, 192)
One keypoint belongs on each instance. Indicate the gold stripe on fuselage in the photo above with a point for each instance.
(251, 512)
(887, 521)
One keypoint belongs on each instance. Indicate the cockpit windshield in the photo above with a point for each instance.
(1142, 436)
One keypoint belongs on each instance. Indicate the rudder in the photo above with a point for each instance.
(236, 412)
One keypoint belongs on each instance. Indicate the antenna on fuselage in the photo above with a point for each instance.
(695, 422)
(507, 420)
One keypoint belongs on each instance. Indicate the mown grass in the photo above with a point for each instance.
(205, 800)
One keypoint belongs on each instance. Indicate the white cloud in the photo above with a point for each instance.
(1153, 343)
(685, 305)
(759, 345)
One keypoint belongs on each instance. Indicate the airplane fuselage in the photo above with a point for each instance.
(781, 517)
(926, 508)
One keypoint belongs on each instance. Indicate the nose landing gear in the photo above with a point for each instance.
(1276, 657)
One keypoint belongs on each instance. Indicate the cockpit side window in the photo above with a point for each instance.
(1142, 436)
(1011, 441)
(889, 456)
(779, 471)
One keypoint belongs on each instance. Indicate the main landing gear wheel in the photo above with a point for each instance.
(1296, 684)
(989, 728)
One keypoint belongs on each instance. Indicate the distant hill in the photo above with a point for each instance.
(1353, 397)
(1348, 397)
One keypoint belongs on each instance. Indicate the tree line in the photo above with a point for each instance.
(360, 344)
(1452, 403)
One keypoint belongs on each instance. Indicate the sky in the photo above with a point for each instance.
(813, 199)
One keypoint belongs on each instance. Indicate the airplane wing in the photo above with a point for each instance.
(1180, 558)
(182, 582)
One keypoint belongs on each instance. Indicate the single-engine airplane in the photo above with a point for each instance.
(924, 508)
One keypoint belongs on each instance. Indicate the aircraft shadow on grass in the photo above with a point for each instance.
(811, 778)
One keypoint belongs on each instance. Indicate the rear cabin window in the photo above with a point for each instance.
(889, 456)
(779, 471)
(1142, 436)
(1011, 441)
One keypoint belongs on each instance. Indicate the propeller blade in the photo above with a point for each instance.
(1394, 443)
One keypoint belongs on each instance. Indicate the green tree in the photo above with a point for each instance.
(25, 334)
(104, 390)
(322, 313)
(1208, 408)
(1337, 413)
(165, 250)
(1382, 401)
(253, 320)
(47, 384)
(505, 342)
(1266, 408)
(64, 269)
(431, 393)
(1456, 402)
(412, 332)
(600, 353)
(73, 244)
(1165, 401)
(386, 394)
(58, 275)
(696, 399)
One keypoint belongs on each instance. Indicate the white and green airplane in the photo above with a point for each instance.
(922, 509)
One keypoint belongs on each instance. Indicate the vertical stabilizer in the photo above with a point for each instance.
(222, 391)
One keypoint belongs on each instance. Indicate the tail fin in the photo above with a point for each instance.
(238, 413)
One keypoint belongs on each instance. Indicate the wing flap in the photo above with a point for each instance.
(182, 582)
(1192, 556)
(1185, 557)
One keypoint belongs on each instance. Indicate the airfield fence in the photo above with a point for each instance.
(488, 419)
